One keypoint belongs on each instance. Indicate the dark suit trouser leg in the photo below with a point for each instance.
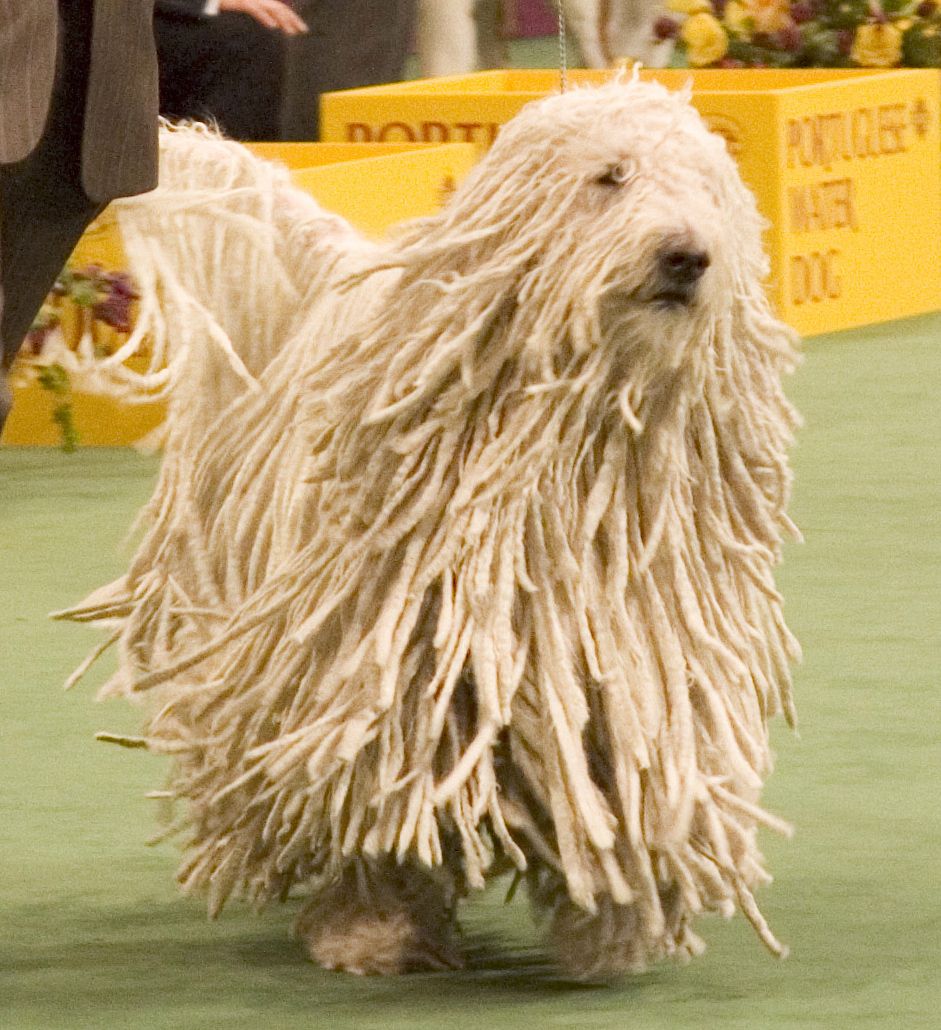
(38, 234)
(351, 43)
(36, 240)
(43, 208)
(227, 68)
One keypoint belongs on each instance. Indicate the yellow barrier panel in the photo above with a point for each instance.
(100, 421)
(845, 164)
(373, 185)
(379, 191)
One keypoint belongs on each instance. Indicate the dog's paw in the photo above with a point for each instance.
(616, 941)
(383, 943)
(591, 947)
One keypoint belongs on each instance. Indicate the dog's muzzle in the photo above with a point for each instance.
(679, 270)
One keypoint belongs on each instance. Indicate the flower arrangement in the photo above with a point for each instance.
(100, 298)
(85, 318)
(805, 33)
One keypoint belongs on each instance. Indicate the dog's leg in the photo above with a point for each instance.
(447, 37)
(492, 51)
(584, 18)
(379, 918)
(616, 939)
(606, 943)
(627, 28)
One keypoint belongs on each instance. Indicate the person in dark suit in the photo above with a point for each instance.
(78, 127)
(223, 60)
(350, 43)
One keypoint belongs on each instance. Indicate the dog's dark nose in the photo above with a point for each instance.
(683, 266)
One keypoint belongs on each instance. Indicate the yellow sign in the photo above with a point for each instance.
(845, 165)
(374, 185)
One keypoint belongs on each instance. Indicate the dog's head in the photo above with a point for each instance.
(605, 216)
(606, 244)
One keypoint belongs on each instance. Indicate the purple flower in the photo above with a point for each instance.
(120, 283)
(114, 310)
(36, 340)
(665, 28)
(39, 331)
(802, 11)
(789, 38)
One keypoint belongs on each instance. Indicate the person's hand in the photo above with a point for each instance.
(273, 14)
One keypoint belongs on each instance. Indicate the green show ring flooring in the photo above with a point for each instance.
(95, 935)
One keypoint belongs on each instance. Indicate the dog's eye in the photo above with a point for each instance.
(616, 175)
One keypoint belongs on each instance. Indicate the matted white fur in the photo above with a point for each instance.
(461, 554)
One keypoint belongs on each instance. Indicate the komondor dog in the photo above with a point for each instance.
(460, 561)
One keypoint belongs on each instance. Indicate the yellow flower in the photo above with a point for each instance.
(705, 39)
(690, 6)
(877, 46)
(748, 16)
(903, 24)
(736, 17)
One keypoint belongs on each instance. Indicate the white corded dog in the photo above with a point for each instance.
(458, 36)
(461, 556)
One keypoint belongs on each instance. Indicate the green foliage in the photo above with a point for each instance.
(55, 379)
(844, 14)
(921, 44)
(103, 297)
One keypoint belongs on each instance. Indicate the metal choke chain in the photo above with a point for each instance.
(563, 48)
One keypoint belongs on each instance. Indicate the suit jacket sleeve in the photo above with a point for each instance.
(27, 69)
(182, 8)
(119, 144)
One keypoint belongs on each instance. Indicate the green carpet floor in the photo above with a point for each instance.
(92, 933)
